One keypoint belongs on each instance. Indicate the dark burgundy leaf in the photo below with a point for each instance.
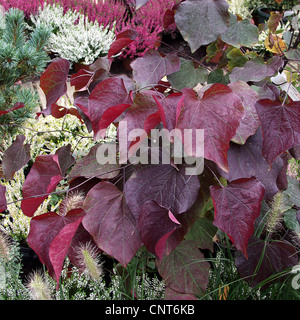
(280, 126)
(153, 66)
(89, 167)
(15, 157)
(155, 225)
(169, 20)
(64, 158)
(185, 269)
(108, 93)
(274, 257)
(246, 161)
(43, 230)
(53, 82)
(236, 208)
(202, 21)
(18, 105)
(3, 202)
(219, 113)
(171, 188)
(110, 222)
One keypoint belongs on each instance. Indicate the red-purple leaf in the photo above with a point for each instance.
(108, 93)
(45, 174)
(246, 161)
(42, 179)
(219, 113)
(143, 106)
(15, 157)
(171, 188)
(60, 245)
(64, 158)
(18, 105)
(280, 126)
(53, 82)
(185, 269)
(168, 108)
(81, 79)
(109, 116)
(59, 112)
(110, 222)
(3, 202)
(250, 122)
(152, 67)
(236, 208)
(272, 258)
(155, 225)
(123, 39)
(43, 230)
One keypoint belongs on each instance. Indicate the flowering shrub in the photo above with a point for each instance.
(105, 12)
(73, 36)
(147, 20)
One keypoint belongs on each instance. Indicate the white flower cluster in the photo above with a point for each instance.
(74, 37)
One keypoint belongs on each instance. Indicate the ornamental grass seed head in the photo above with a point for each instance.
(73, 200)
(38, 287)
(89, 260)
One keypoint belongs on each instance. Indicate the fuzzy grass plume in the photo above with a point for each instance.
(38, 287)
(275, 213)
(89, 261)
